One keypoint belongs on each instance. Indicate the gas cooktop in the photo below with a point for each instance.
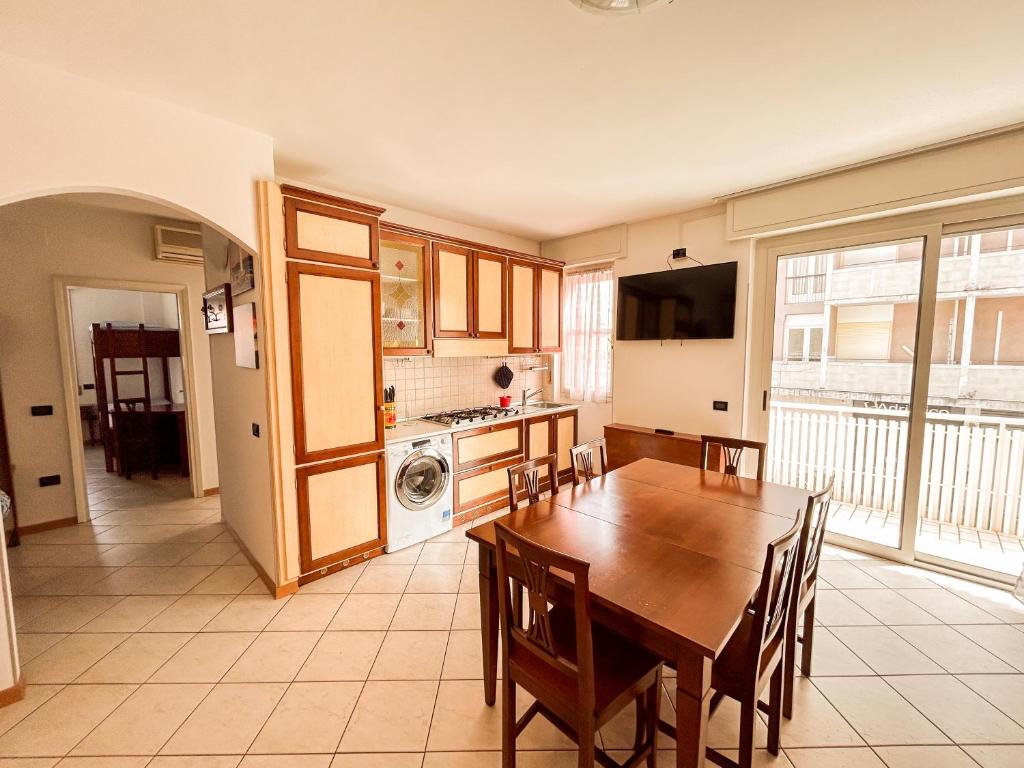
(469, 415)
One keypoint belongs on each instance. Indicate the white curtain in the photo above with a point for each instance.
(587, 335)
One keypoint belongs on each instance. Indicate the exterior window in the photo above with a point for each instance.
(804, 337)
(587, 335)
(805, 278)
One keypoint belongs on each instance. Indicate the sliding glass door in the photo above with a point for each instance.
(842, 365)
(971, 498)
(897, 367)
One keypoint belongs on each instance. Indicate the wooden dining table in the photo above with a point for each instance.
(675, 557)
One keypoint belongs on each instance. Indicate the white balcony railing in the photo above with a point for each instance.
(900, 280)
(865, 379)
(973, 466)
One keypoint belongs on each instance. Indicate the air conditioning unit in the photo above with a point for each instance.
(177, 244)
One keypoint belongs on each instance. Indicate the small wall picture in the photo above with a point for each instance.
(217, 309)
(246, 354)
(240, 269)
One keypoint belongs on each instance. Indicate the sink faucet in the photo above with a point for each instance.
(527, 394)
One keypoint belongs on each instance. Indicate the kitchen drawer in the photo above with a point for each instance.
(486, 445)
(483, 485)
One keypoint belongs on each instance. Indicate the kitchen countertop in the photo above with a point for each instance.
(412, 429)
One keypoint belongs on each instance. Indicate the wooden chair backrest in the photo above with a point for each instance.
(774, 596)
(732, 450)
(582, 457)
(526, 477)
(535, 563)
(812, 538)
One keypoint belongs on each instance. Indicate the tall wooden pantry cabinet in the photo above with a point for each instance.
(334, 323)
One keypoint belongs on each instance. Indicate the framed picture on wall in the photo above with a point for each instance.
(217, 309)
(240, 269)
(246, 354)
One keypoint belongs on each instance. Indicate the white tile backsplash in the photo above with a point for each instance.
(427, 384)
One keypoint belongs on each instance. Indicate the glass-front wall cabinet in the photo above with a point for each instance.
(405, 293)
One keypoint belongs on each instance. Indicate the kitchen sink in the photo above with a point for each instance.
(544, 405)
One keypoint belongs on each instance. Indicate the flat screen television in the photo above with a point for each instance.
(691, 303)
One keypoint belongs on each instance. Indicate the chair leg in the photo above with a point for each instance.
(775, 708)
(508, 722)
(653, 716)
(808, 643)
(586, 743)
(789, 665)
(748, 717)
(639, 735)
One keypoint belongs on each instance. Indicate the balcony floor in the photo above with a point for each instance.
(983, 549)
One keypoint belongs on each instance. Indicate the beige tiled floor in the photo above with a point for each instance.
(147, 640)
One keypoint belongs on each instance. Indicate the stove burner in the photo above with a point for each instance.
(469, 415)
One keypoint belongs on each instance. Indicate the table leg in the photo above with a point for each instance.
(489, 622)
(693, 704)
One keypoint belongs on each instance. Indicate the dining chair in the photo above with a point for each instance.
(753, 659)
(580, 674)
(812, 537)
(732, 450)
(582, 458)
(526, 477)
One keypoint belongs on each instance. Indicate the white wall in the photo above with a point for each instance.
(100, 305)
(67, 133)
(668, 385)
(240, 400)
(38, 240)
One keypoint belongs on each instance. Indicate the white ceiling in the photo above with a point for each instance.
(536, 118)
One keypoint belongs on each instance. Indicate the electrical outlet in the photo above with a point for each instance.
(46, 480)
(720, 405)
(42, 410)
(255, 429)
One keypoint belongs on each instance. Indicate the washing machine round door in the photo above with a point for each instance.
(421, 479)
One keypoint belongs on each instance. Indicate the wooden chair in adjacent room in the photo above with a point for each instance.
(753, 658)
(134, 433)
(580, 673)
(525, 478)
(582, 457)
(732, 450)
(812, 538)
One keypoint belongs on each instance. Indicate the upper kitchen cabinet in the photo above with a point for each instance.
(489, 296)
(453, 291)
(549, 308)
(522, 304)
(469, 293)
(330, 230)
(535, 307)
(405, 291)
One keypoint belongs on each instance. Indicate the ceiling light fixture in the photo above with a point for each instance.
(618, 7)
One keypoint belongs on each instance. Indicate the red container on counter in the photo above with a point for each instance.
(504, 400)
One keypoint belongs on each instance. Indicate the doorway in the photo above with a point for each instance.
(896, 365)
(125, 361)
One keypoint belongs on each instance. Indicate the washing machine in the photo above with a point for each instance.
(420, 491)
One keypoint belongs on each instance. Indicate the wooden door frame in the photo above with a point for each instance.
(69, 374)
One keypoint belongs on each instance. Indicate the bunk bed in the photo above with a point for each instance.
(136, 426)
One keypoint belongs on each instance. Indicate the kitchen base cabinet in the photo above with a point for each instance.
(555, 433)
(486, 445)
(341, 508)
(483, 485)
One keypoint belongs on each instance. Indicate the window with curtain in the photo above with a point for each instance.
(587, 325)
